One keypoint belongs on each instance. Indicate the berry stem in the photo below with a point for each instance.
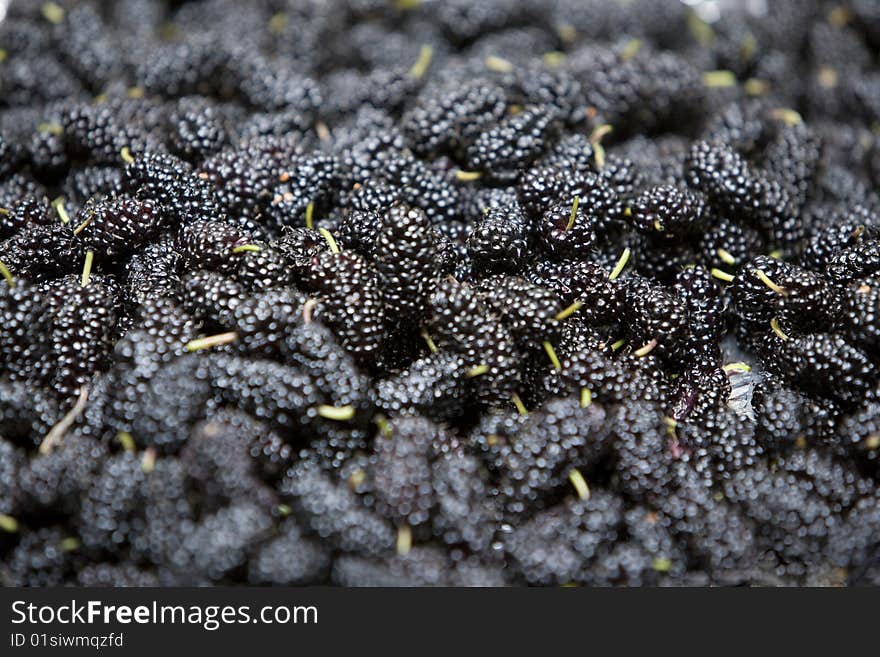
(328, 237)
(586, 397)
(520, 407)
(569, 311)
(58, 206)
(726, 257)
(69, 544)
(766, 280)
(787, 116)
(84, 224)
(774, 324)
(404, 540)
(356, 478)
(498, 64)
(643, 351)
(8, 524)
(51, 128)
(719, 79)
(211, 341)
(467, 176)
(309, 309)
(278, 22)
(383, 425)
(52, 12)
(722, 275)
(551, 354)
(596, 140)
(430, 342)
(580, 484)
(148, 460)
(621, 263)
(554, 58)
(574, 209)
(247, 248)
(322, 131)
(7, 275)
(56, 433)
(87, 268)
(426, 54)
(338, 413)
(599, 132)
(661, 565)
(755, 87)
(630, 49)
(126, 440)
